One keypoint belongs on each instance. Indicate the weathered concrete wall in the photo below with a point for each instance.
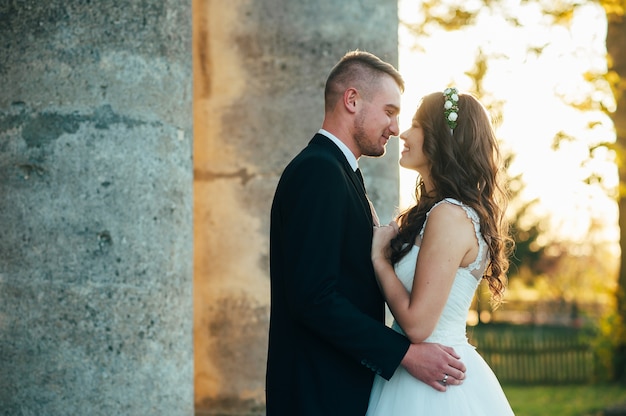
(96, 208)
(259, 73)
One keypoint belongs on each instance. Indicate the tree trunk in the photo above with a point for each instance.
(616, 49)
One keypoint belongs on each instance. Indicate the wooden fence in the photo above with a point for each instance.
(520, 354)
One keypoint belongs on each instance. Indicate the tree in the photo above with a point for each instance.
(616, 75)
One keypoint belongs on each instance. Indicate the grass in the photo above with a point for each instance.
(564, 400)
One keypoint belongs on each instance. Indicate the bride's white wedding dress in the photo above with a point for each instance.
(481, 393)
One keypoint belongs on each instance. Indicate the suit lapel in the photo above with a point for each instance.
(359, 187)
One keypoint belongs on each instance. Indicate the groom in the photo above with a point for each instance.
(327, 337)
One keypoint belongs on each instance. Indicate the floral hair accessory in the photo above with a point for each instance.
(451, 106)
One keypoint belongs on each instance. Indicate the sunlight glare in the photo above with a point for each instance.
(533, 87)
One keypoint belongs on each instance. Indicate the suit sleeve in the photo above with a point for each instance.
(317, 204)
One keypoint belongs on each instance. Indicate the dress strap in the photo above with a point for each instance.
(477, 267)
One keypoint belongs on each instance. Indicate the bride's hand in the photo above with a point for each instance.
(381, 239)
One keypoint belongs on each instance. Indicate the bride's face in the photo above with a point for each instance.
(412, 156)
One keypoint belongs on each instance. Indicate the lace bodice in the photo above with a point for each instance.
(450, 329)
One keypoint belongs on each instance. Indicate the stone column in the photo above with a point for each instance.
(96, 208)
(259, 74)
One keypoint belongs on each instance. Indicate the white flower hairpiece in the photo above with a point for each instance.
(451, 106)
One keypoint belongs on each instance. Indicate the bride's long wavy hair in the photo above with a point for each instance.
(466, 166)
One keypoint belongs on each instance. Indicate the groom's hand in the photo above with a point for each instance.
(434, 364)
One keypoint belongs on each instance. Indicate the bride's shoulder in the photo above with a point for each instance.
(447, 206)
(449, 213)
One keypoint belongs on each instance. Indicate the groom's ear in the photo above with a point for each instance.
(351, 99)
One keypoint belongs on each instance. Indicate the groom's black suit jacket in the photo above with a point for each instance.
(327, 336)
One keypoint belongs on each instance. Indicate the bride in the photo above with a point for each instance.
(430, 263)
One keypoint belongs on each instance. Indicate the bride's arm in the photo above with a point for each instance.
(448, 237)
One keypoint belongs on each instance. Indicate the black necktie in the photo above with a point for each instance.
(358, 173)
(374, 215)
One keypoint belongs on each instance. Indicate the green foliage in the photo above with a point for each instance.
(527, 251)
(604, 346)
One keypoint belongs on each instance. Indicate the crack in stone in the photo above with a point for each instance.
(206, 176)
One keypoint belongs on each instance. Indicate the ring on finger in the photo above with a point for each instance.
(445, 379)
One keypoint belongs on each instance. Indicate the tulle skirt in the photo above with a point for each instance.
(479, 395)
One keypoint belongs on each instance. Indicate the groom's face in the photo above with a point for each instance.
(378, 118)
